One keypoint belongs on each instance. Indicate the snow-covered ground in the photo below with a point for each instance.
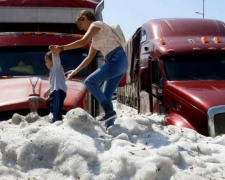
(136, 147)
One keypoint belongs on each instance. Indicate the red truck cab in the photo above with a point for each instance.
(177, 69)
(27, 28)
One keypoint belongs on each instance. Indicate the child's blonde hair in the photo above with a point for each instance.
(49, 55)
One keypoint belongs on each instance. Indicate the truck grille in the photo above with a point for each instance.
(216, 120)
(219, 122)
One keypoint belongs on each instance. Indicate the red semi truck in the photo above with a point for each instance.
(177, 68)
(27, 28)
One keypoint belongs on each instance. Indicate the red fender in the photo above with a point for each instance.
(178, 120)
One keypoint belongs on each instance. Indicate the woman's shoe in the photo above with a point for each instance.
(107, 116)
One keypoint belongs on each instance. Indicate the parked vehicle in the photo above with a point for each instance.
(177, 69)
(27, 28)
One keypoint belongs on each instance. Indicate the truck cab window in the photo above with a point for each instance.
(197, 67)
(143, 36)
(15, 61)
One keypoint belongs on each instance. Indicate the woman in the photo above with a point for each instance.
(103, 39)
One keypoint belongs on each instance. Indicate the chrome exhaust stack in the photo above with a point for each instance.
(98, 10)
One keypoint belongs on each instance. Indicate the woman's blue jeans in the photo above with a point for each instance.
(111, 73)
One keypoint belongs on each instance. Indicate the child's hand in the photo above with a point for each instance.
(46, 95)
(55, 49)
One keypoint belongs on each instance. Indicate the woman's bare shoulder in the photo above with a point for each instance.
(99, 24)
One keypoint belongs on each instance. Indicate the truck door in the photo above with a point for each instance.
(144, 81)
(156, 88)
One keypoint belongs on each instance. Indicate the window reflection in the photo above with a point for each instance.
(16, 61)
(195, 67)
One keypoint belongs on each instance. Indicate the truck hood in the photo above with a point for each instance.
(15, 92)
(201, 94)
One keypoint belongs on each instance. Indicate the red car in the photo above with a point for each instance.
(24, 40)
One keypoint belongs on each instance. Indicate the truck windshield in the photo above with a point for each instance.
(25, 61)
(195, 67)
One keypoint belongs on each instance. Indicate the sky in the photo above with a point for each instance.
(136, 147)
(132, 14)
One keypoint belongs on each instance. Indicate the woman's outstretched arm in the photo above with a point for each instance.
(85, 62)
(91, 32)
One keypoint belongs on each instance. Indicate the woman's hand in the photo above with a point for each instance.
(55, 49)
(70, 73)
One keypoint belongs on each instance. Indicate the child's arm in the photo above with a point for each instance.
(56, 60)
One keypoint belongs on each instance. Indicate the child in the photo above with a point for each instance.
(56, 94)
